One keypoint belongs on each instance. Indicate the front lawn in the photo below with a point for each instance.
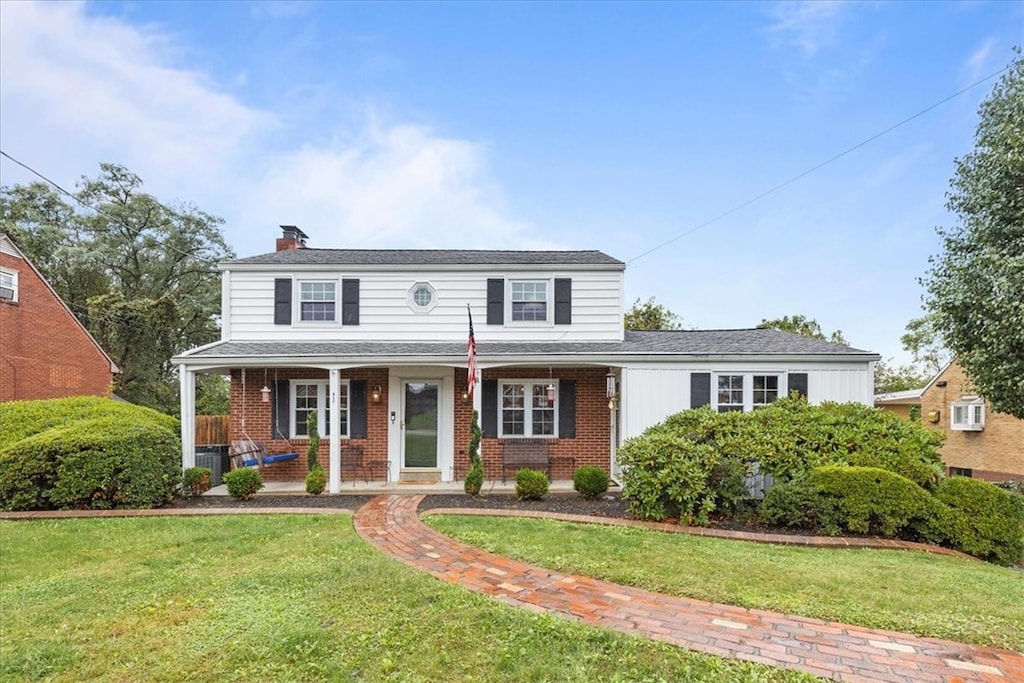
(283, 599)
(929, 595)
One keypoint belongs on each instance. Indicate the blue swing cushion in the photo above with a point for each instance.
(267, 460)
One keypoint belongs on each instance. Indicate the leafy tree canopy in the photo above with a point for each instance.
(648, 315)
(799, 324)
(975, 287)
(140, 275)
(889, 377)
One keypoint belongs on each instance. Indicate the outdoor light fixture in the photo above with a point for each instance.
(375, 394)
(265, 394)
(551, 393)
(609, 384)
(465, 395)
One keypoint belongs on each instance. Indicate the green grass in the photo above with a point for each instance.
(283, 599)
(929, 595)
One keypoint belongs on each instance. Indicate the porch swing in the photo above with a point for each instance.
(248, 452)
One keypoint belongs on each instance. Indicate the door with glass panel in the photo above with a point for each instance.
(420, 423)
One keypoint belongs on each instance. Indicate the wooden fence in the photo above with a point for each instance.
(212, 429)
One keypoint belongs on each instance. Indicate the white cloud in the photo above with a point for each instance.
(808, 25)
(977, 64)
(76, 90)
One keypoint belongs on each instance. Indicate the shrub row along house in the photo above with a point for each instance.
(374, 342)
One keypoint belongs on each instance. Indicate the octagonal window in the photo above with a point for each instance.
(422, 297)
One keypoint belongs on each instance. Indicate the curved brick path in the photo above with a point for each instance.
(830, 650)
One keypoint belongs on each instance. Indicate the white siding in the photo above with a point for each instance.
(385, 313)
(649, 395)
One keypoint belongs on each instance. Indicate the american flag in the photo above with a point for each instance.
(471, 361)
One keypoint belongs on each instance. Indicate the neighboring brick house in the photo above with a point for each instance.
(373, 341)
(45, 352)
(979, 442)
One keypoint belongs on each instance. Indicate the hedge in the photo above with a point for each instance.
(983, 519)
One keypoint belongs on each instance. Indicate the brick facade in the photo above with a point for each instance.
(995, 453)
(44, 350)
(590, 447)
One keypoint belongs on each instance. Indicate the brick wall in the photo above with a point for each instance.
(44, 352)
(995, 453)
(258, 420)
(592, 442)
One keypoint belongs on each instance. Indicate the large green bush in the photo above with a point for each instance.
(870, 500)
(103, 462)
(983, 520)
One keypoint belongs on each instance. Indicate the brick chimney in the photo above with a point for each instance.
(293, 238)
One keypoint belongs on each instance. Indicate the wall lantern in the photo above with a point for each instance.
(465, 395)
(610, 388)
(375, 394)
(265, 394)
(551, 393)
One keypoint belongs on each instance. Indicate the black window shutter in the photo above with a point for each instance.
(495, 301)
(700, 389)
(563, 301)
(283, 301)
(357, 409)
(350, 302)
(798, 382)
(567, 409)
(489, 408)
(280, 412)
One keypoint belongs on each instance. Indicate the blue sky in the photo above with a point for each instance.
(611, 126)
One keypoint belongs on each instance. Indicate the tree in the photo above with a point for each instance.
(140, 275)
(802, 325)
(649, 315)
(923, 339)
(975, 287)
(889, 378)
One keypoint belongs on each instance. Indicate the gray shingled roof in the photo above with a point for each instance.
(427, 257)
(684, 343)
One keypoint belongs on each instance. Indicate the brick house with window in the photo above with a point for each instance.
(45, 352)
(374, 342)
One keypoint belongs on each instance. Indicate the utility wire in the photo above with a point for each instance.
(795, 178)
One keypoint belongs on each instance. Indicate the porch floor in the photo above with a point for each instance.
(360, 487)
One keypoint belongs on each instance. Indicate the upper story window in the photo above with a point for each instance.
(968, 414)
(528, 408)
(317, 301)
(529, 300)
(311, 397)
(422, 297)
(747, 391)
(8, 285)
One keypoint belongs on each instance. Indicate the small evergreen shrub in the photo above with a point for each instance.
(983, 520)
(531, 484)
(799, 504)
(591, 482)
(474, 479)
(870, 500)
(313, 447)
(243, 483)
(196, 481)
(316, 480)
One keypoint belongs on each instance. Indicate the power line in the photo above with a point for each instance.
(797, 177)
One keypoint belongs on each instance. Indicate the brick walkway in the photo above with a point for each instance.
(829, 650)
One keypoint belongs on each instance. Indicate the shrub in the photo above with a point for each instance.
(983, 520)
(728, 484)
(196, 481)
(531, 484)
(316, 480)
(104, 462)
(313, 447)
(870, 500)
(590, 482)
(1012, 485)
(799, 504)
(474, 479)
(243, 483)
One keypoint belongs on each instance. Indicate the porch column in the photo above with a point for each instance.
(334, 468)
(187, 383)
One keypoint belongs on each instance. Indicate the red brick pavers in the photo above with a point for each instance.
(829, 650)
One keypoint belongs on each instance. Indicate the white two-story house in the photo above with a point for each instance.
(375, 343)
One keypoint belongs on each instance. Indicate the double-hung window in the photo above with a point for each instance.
(318, 301)
(743, 392)
(8, 285)
(968, 414)
(529, 300)
(311, 397)
(528, 408)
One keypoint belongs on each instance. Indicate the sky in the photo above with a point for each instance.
(643, 130)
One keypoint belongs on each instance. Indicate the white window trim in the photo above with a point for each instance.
(528, 417)
(549, 302)
(974, 406)
(748, 386)
(297, 302)
(322, 412)
(14, 283)
(416, 308)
